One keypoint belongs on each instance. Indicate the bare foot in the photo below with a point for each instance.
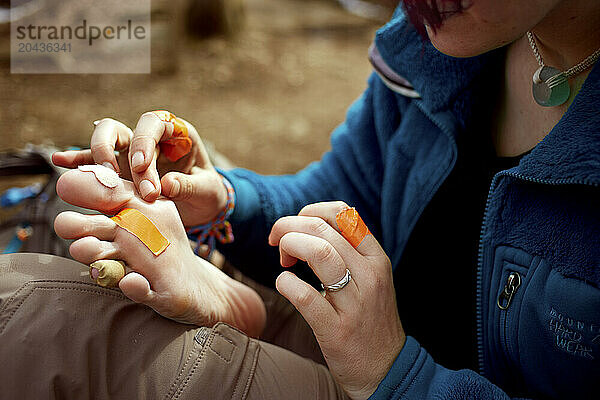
(177, 284)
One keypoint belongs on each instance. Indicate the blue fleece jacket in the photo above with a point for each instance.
(540, 232)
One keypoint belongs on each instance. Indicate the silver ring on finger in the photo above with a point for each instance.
(339, 285)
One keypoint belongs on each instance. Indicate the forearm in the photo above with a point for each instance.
(415, 375)
(352, 171)
(260, 201)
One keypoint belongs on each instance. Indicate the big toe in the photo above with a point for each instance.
(98, 190)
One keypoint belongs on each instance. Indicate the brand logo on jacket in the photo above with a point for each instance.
(573, 336)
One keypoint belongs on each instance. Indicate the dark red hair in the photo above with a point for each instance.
(425, 12)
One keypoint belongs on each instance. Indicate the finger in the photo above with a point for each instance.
(148, 182)
(369, 246)
(123, 161)
(72, 158)
(287, 260)
(73, 225)
(148, 133)
(109, 135)
(201, 155)
(316, 310)
(89, 249)
(324, 260)
(143, 154)
(314, 226)
(137, 288)
(196, 186)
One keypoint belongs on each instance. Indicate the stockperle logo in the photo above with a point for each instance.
(90, 33)
(80, 36)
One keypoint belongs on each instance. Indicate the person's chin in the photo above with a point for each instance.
(460, 36)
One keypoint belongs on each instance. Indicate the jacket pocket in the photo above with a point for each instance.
(513, 269)
(548, 328)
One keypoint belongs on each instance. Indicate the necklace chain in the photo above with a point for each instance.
(575, 70)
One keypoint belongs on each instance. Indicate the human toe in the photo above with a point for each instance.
(89, 249)
(73, 225)
(84, 189)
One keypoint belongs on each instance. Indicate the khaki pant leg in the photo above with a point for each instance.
(226, 364)
(64, 337)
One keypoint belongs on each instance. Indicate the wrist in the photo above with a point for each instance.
(219, 228)
(222, 195)
(225, 198)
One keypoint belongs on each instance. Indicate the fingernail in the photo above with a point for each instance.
(108, 165)
(175, 188)
(94, 273)
(464, 4)
(137, 159)
(285, 282)
(169, 128)
(146, 187)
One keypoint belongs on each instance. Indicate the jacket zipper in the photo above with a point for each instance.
(555, 182)
(510, 289)
(504, 301)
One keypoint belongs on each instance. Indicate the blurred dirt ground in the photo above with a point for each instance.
(267, 99)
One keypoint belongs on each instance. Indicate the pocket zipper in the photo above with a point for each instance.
(506, 318)
(512, 285)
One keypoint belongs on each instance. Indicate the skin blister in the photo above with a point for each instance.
(104, 175)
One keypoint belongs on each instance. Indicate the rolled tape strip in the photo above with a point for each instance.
(136, 223)
(107, 273)
(179, 144)
(351, 226)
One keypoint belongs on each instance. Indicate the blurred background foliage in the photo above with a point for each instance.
(264, 81)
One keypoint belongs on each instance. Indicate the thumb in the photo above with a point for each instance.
(315, 309)
(178, 186)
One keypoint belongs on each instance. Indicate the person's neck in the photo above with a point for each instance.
(569, 33)
(566, 36)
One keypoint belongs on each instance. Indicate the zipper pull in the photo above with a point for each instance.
(512, 284)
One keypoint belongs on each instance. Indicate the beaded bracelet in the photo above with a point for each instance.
(218, 229)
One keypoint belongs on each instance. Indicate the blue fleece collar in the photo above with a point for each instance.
(570, 152)
(438, 78)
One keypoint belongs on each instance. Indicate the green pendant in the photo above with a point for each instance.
(550, 87)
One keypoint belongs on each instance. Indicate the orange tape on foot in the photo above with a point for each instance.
(136, 223)
(351, 226)
(179, 144)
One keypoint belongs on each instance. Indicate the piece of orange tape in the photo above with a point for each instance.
(351, 226)
(179, 144)
(136, 223)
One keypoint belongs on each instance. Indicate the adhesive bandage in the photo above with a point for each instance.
(104, 175)
(351, 226)
(136, 223)
(179, 144)
(107, 273)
